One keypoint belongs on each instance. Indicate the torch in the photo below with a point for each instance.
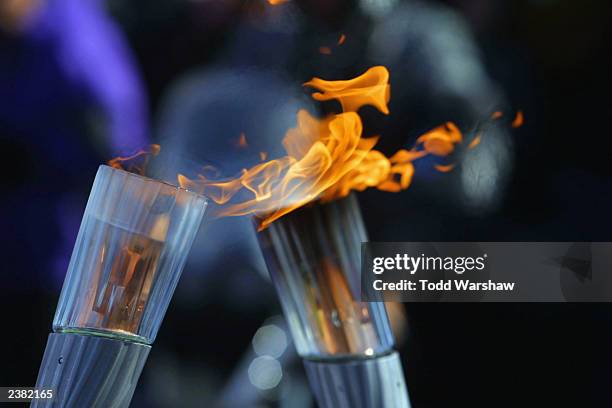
(311, 231)
(313, 255)
(129, 254)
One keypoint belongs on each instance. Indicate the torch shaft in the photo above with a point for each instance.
(90, 371)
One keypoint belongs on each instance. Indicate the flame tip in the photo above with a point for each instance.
(130, 160)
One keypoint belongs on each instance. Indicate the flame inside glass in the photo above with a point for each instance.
(130, 252)
(313, 255)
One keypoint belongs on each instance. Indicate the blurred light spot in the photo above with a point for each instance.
(270, 340)
(377, 8)
(265, 372)
(369, 351)
(335, 318)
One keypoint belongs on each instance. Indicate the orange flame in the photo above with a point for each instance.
(326, 158)
(325, 50)
(132, 163)
(518, 121)
(444, 168)
(242, 141)
(475, 141)
(276, 2)
(370, 88)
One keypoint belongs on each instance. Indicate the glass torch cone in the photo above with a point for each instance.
(133, 242)
(129, 254)
(313, 256)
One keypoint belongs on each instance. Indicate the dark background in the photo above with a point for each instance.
(546, 57)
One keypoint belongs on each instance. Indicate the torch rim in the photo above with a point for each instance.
(155, 180)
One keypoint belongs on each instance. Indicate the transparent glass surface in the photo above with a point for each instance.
(313, 255)
(129, 254)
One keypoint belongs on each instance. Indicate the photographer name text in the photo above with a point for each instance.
(442, 285)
